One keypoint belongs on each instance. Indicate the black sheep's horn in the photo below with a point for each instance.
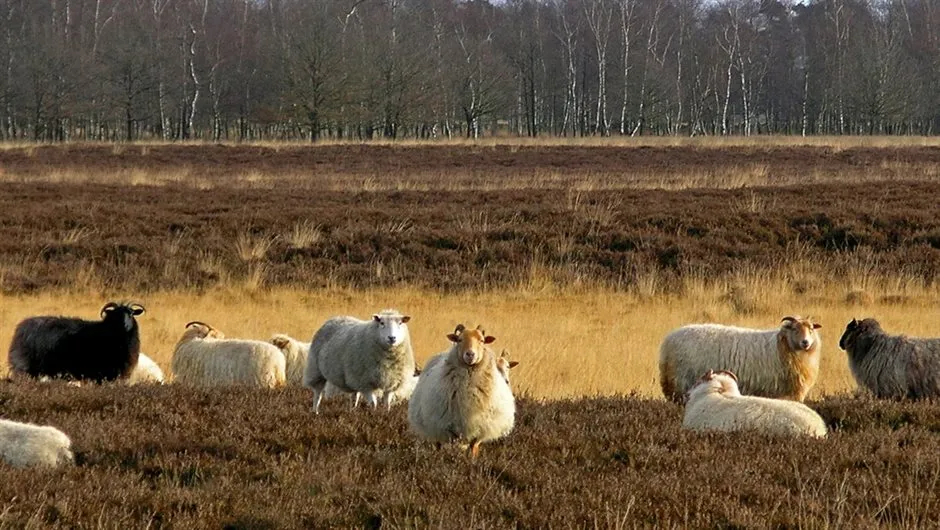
(110, 306)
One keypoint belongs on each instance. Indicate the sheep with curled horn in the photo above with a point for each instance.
(74, 348)
(205, 357)
(461, 394)
(716, 404)
(780, 363)
(892, 366)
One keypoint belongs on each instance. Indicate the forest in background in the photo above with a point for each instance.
(258, 70)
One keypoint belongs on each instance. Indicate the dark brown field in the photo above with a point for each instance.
(151, 218)
(175, 457)
(455, 217)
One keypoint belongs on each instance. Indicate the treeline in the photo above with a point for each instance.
(364, 69)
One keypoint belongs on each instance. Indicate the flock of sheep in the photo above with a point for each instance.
(730, 378)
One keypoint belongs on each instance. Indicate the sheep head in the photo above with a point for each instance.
(855, 328)
(471, 345)
(720, 382)
(391, 327)
(799, 333)
(281, 341)
(201, 330)
(123, 312)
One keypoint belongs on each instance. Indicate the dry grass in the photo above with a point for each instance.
(570, 342)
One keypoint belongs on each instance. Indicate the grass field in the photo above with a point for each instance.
(579, 257)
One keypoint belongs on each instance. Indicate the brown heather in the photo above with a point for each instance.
(578, 257)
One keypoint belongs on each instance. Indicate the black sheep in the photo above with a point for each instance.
(102, 350)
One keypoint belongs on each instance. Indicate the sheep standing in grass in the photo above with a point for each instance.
(295, 354)
(364, 356)
(716, 404)
(97, 350)
(204, 357)
(777, 363)
(892, 366)
(25, 444)
(462, 395)
(146, 372)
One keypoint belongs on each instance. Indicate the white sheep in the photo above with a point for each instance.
(295, 355)
(146, 372)
(364, 356)
(204, 357)
(716, 404)
(462, 395)
(778, 363)
(25, 444)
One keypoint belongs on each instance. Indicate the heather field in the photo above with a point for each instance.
(577, 256)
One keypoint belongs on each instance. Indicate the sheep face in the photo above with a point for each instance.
(391, 328)
(855, 328)
(122, 314)
(471, 345)
(201, 330)
(800, 333)
(504, 365)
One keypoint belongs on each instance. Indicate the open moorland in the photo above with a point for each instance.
(577, 257)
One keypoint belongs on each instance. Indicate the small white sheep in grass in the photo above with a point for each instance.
(462, 395)
(364, 356)
(504, 365)
(25, 444)
(204, 357)
(716, 404)
(146, 372)
(295, 354)
(778, 363)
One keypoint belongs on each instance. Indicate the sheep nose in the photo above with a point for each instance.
(804, 343)
(391, 340)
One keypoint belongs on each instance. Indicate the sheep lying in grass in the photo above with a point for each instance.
(97, 350)
(25, 444)
(891, 366)
(715, 404)
(462, 395)
(778, 363)
(364, 356)
(295, 355)
(204, 357)
(146, 372)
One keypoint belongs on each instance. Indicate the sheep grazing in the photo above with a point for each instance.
(102, 350)
(295, 354)
(146, 372)
(25, 445)
(364, 356)
(716, 404)
(204, 357)
(462, 395)
(891, 366)
(778, 363)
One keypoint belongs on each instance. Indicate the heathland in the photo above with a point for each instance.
(577, 256)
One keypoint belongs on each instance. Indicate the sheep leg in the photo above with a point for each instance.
(373, 400)
(317, 397)
(356, 399)
(474, 449)
(389, 399)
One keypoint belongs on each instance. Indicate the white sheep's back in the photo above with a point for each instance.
(716, 412)
(25, 444)
(219, 362)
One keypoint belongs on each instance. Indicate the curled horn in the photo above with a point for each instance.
(197, 322)
(481, 330)
(137, 306)
(107, 307)
(730, 374)
(459, 329)
(789, 319)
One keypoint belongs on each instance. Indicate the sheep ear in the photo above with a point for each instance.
(417, 371)
(405, 319)
(376, 318)
(513, 364)
(816, 325)
(489, 339)
(453, 337)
